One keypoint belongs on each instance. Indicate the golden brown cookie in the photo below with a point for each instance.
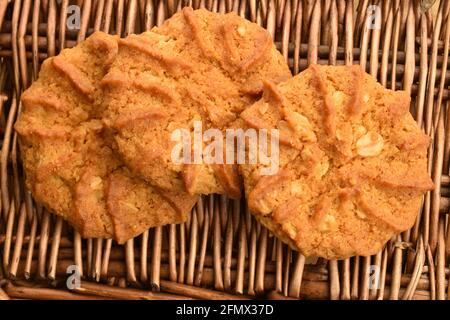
(198, 66)
(353, 162)
(67, 153)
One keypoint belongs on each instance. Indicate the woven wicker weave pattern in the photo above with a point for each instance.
(222, 247)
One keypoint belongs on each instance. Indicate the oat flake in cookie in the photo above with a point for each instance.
(67, 154)
(353, 163)
(198, 66)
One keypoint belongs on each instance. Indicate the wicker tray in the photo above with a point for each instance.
(222, 252)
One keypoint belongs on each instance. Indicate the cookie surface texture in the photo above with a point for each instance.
(67, 156)
(352, 163)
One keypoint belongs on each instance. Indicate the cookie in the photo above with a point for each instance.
(199, 67)
(352, 162)
(67, 152)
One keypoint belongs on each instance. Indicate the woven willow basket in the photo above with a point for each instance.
(222, 252)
